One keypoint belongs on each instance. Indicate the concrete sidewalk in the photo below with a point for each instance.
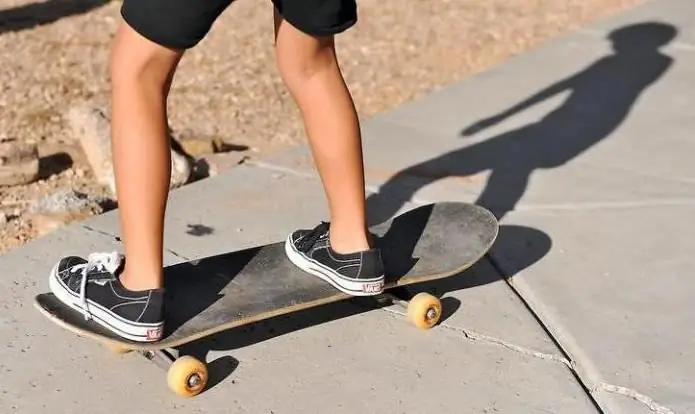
(489, 354)
(586, 143)
(582, 149)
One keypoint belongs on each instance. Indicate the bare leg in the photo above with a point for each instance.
(141, 73)
(309, 67)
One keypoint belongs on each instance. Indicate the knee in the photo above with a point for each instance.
(296, 67)
(135, 61)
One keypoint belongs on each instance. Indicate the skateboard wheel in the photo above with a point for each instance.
(117, 349)
(187, 376)
(424, 310)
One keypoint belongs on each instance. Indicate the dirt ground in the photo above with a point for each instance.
(55, 56)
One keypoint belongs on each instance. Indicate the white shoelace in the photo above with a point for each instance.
(101, 262)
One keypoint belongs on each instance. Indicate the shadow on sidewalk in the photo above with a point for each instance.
(537, 245)
(600, 97)
(41, 13)
(249, 290)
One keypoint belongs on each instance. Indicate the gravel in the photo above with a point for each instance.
(228, 88)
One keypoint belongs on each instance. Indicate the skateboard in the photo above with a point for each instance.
(217, 293)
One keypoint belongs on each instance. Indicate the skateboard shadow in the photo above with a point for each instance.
(533, 243)
(525, 244)
(194, 286)
(598, 101)
(41, 13)
(259, 280)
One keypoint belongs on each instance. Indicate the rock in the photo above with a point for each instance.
(64, 207)
(189, 143)
(19, 163)
(180, 170)
(69, 201)
(64, 154)
(3, 219)
(47, 222)
(91, 127)
(197, 146)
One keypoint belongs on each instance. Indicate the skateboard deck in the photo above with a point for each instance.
(217, 293)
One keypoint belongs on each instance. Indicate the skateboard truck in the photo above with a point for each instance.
(188, 376)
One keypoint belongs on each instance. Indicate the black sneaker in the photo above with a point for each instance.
(92, 287)
(357, 274)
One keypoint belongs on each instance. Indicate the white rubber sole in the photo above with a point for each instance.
(134, 331)
(366, 287)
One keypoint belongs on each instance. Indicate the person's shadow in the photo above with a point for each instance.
(600, 97)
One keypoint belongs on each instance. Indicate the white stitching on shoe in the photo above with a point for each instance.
(144, 308)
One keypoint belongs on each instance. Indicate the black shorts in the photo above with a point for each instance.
(181, 24)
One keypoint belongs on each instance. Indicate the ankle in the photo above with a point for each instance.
(346, 242)
(136, 280)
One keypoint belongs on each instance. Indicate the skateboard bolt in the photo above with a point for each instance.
(431, 313)
(193, 380)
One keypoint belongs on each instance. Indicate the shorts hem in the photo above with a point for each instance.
(321, 31)
(134, 24)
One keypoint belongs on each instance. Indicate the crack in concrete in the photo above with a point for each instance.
(118, 239)
(610, 388)
(580, 364)
(475, 336)
(629, 392)
(103, 233)
(516, 348)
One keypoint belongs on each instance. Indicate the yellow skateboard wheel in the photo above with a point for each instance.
(187, 376)
(424, 310)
